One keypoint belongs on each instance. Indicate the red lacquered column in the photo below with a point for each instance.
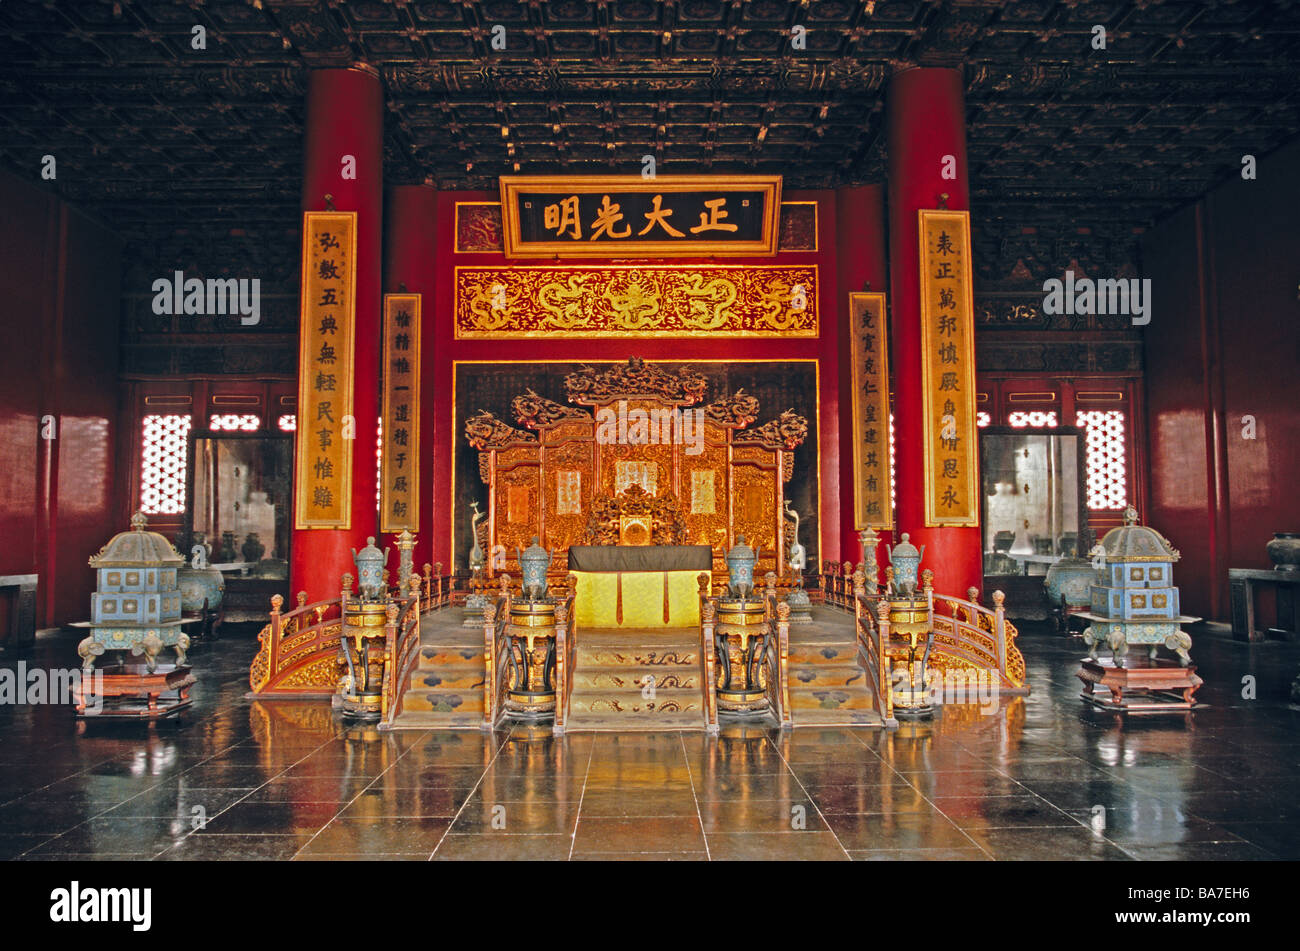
(926, 121)
(860, 248)
(409, 255)
(345, 116)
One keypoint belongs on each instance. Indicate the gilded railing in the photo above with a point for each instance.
(836, 580)
(978, 637)
(776, 659)
(566, 653)
(708, 657)
(496, 619)
(298, 653)
(871, 621)
(401, 650)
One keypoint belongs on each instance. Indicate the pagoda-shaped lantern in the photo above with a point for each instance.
(137, 602)
(1135, 604)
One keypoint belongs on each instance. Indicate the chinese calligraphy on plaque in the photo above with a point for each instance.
(948, 369)
(323, 462)
(628, 216)
(399, 482)
(870, 348)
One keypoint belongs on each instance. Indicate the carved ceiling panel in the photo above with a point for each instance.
(154, 135)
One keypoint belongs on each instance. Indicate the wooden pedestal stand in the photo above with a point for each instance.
(130, 692)
(1141, 686)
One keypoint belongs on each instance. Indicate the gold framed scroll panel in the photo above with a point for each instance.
(327, 325)
(399, 485)
(627, 216)
(948, 369)
(869, 344)
(723, 300)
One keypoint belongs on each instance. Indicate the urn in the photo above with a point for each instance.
(740, 566)
(533, 562)
(252, 549)
(370, 570)
(905, 560)
(227, 554)
(1284, 549)
(201, 585)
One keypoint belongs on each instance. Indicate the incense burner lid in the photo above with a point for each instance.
(137, 548)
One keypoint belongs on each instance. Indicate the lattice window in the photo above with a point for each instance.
(1107, 470)
(288, 423)
(234, 422)
(164, 454)
(1033, 417)
(983, 419)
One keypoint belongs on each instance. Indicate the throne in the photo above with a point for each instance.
(636, 518)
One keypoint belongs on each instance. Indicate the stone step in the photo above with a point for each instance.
(434, 657)
(665, 657)
(467, 678)
(830, 698)
(439, 700)
(633, 679)
(819, 675)
(809, 718)
(837, 655)
(608, 703)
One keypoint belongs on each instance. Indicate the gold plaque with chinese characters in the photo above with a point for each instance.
(327, 321)
(872, 506)
(948, 369)
(627, 216)
(399, 482)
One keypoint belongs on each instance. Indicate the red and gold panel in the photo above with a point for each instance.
(948, 369)
(399, 483)
(870, 379)
(650, 301)
(327, 322)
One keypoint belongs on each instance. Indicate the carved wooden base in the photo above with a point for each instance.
(131, 691)
(1143, 686)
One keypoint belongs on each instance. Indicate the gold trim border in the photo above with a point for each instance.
(512, 185)
(300, 521)
(866, 299)
(814, 301)
(412, 523)
(928, 424)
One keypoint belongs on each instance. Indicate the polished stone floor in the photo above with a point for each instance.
(1043, 777)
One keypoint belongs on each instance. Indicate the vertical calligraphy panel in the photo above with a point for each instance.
(399, 486)
(948, 369)
(327, 322)
(870, 349)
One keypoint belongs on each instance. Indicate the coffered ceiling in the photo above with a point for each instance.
(151, 133)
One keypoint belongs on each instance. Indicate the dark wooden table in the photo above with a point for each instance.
(22, 622)
(1244, 582)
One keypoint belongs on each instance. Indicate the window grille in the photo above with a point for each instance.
(234, 422)
(164, 453)
(1035, 418)
(1107, 470)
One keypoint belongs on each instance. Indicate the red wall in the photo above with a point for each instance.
(442, 349)
(59, 306)
(1223, 343)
